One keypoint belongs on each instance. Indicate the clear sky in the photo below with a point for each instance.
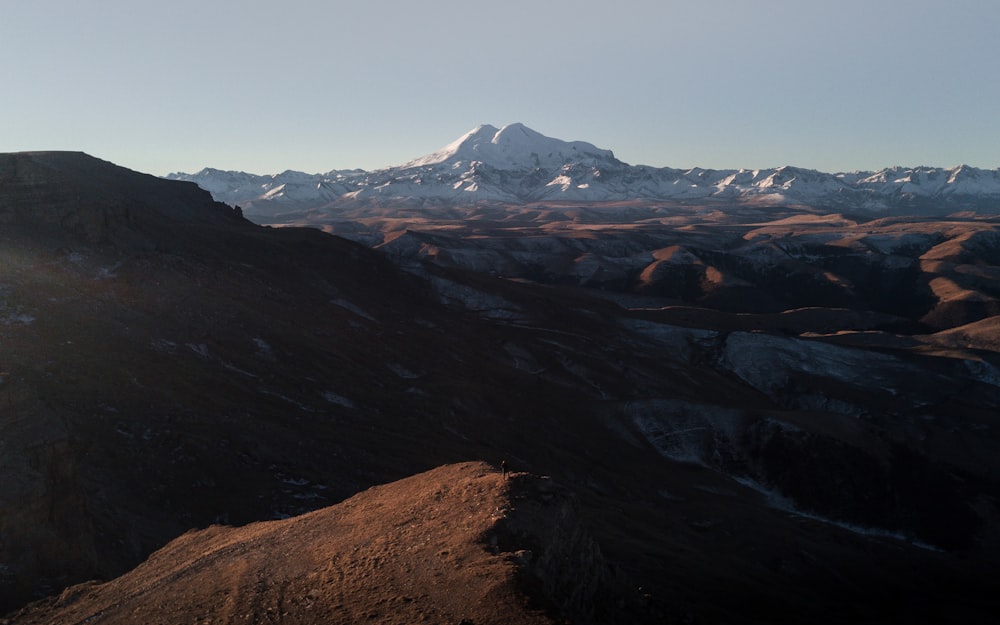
(315, 85)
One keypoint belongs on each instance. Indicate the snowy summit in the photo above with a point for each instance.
(514, 146)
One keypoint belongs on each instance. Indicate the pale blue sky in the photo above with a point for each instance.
(317, 85)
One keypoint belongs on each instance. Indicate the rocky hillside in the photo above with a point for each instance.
(60, 194)
(459, 544)
(177, 370)
(917, 275)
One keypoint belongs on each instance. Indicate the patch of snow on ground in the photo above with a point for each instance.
(340, 400)
(108, 273)
(778, 501)
(983, 372)
(231, 367)
(17, 319)
(402, 371)
(288, 399)
(676, 341)
(766, 362)
(683, 431)
(346, 305)
(262, 346)
(163, 345)
(486, 304)
(913, 242)
(199, 348)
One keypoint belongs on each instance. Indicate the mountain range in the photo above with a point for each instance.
(517, 165)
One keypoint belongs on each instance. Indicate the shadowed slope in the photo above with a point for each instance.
(71, 194)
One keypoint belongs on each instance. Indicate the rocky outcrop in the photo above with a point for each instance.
(559, 563)
(31, 196)
(71, 194)
(453, 545)
(46, 537)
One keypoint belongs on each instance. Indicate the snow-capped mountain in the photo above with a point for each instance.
(517, 165)
(289, 187)
(512, 147)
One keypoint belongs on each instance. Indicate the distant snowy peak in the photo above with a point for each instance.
(516, 165)
(290, 186)
(514, 146)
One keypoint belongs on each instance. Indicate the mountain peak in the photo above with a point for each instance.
(514, 146)
(517, 132)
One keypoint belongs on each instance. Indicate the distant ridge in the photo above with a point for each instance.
(76, 195)
(517, 165)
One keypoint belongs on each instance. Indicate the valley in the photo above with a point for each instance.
(763, 412)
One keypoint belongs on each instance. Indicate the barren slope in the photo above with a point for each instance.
(459, 544)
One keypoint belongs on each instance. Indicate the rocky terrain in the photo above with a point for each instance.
(765, 414)
(457, 544)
